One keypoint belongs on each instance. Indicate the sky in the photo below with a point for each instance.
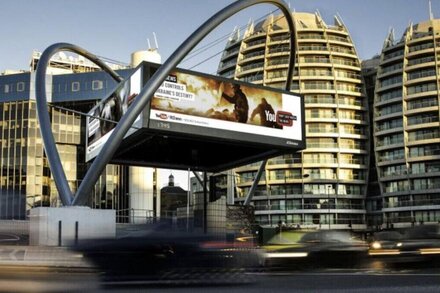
(114, 29)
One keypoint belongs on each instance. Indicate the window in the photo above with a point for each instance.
(20, 86)
(97, 85)
(75, 86)
(7, 88)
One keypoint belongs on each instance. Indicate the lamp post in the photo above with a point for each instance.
(285, 197)
(304, 176)
(328, 204)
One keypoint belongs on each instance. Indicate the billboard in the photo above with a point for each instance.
(102, 119)
(205, 105)
(198, 121)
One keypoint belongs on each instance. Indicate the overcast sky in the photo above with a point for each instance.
(115, 29)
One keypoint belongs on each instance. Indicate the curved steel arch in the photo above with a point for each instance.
(140, 102)
(52, 154)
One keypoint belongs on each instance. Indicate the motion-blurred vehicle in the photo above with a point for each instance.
(418, 243)
(330, 248)
(167, 256)
(385, 240)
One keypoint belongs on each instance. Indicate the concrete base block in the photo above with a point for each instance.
(67, 226)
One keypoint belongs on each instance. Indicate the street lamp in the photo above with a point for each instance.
(328, 204)
(285, 197)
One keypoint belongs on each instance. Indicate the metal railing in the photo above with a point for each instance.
(135, 216)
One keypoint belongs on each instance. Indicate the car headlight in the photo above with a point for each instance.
(376, 245)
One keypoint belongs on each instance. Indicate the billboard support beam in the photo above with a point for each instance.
(205, 202)
(109, 149)
(251, 192)
(199, 178)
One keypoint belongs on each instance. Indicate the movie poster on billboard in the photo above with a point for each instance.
(103, 117)
(204, 101)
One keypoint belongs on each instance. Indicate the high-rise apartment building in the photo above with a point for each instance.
(324, 185)
(406, 126)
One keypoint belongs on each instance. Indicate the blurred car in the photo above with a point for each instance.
(167, 256)
(320, 248)
(385, 240)
(418, 243)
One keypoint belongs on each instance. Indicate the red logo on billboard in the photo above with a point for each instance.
(285, 118)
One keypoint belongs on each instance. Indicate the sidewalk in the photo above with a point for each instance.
(14, 255)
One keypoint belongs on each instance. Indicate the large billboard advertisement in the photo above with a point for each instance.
(102, 119)
(210, 106)
(193, 118)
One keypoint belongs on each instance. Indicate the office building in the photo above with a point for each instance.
(25, 178)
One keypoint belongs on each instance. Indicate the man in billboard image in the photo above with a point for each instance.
(241, 106)
(266, 113)
(110, 113)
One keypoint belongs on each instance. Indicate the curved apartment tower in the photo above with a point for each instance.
(406, 126)
(325, 185)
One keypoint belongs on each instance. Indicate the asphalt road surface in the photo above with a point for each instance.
(41, 279)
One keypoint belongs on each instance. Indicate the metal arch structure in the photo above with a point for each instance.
(52, 154)
(145, 95)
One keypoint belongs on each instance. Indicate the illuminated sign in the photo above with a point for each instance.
(247, 112)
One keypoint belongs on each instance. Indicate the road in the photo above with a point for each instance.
(41, 279)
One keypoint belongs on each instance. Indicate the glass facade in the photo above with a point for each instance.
(25, 178)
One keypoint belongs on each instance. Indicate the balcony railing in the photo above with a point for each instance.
(339, 39)
(422, 104)
(315, 60)
(421, 60)
(409, 203)
(311, 36)
(422, 136)
(422, 120)
(345, 62)
(284, 161)
(390, 158)
(319, 100)
(320, 161)
(321, 145)
(312, 48)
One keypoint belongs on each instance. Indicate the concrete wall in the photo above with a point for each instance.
(57, 226)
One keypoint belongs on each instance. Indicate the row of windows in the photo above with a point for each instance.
(14, 87)
(391, 81)
(423, 103)
(390, 124)
(74, 86)
(413, 184)
(318, 189)
(308, 203)
(390, 95)
(394, 108)
(391, 155)
(422, 73)
(309, 219)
